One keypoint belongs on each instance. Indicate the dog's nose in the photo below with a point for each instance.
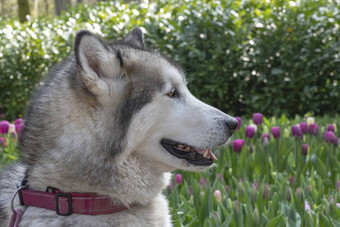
(232, 124)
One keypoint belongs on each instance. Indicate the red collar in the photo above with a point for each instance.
(68, 203)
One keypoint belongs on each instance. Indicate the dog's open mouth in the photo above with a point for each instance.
(193, 155)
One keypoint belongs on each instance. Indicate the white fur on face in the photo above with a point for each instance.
(185, 120)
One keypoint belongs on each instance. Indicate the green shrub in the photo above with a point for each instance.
(240, 56)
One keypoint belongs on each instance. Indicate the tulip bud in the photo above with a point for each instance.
(303, 127)
(250, 132)
(266, 192)
(4, 127)
(227, 188)
(203, 182)
(304, 150)
(19, 121)
(257, 118)
(330, 137)
(296, 131)
(178, 178)
(218, 196)
(239, 121)
(276, 132)
(331, 128)
(291, 181)
(237, 145)
(219, 177)
(19, 127)
(313, 129)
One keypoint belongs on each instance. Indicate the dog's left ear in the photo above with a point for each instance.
(96, 62)
(135, 38)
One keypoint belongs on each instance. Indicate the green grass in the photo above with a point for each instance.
(259, 188)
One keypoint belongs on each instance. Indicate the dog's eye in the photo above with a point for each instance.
(172, 93)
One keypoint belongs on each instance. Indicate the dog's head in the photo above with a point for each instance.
(153, 114)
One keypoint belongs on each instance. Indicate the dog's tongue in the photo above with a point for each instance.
(202, 151)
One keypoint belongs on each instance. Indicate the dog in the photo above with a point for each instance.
(114, 119)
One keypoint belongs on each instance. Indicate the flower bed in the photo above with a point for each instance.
(274, 172)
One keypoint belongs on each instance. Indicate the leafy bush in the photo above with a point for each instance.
(240, 56)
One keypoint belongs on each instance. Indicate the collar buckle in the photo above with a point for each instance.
(69, 203)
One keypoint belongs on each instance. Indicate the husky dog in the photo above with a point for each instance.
(114, 119)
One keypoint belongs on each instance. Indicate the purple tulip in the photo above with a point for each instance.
(276, 132)
(237, 145)
(304, 150)
(18, 121)
(19, 127)
(296, 131)
(257, 118)
(256, 185)
(239, 121)
(338, 186)
(265, 139)
(203, 181)
(250, 132)
(330, 137)
(303, 126)
(313, 129)
(4, 127)
(331, 128)
(178, 178)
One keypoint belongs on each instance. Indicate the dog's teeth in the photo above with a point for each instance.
(205, 154)
(187, 149)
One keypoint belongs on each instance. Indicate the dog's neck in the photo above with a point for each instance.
(129, 182)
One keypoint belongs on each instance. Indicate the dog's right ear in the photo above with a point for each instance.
(96, 62)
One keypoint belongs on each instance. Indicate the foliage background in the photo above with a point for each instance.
(240, 56)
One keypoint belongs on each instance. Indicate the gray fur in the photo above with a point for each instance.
(95, 125)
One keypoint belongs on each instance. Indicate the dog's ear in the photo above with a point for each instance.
(96, 62)
(135, 38)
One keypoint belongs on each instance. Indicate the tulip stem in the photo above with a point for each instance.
(297, 155)
(278, 154)
(329, 157)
